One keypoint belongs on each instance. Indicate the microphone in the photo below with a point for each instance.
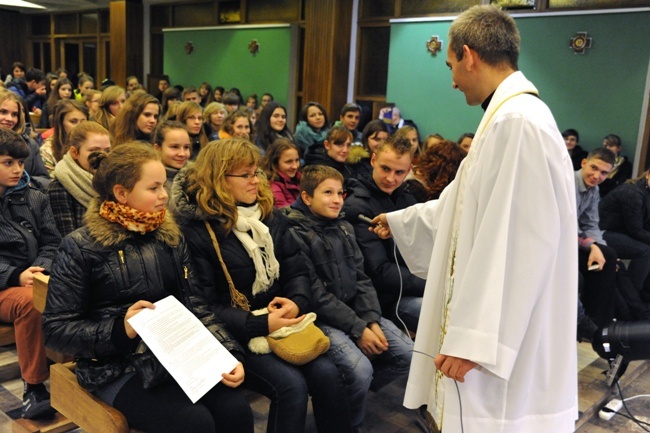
(361, 217)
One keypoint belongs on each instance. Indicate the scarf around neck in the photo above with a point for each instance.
(259, 247)
(77, 181)
(132, 219)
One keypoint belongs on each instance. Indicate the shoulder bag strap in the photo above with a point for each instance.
(237, 298)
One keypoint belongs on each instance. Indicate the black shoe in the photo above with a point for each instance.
(36, 404)
(586, 330)
(424, 421)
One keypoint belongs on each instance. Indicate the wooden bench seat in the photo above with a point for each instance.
(80, 406)
(7, 335)
(76, 406)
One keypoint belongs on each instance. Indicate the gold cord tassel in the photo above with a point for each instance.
(237, 298)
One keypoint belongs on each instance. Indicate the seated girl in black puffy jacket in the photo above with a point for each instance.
(129, 254)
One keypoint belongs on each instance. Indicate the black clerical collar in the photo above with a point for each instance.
(485, 103)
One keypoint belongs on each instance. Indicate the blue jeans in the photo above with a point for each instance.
(288, 386)
(638, 252)
(359, 373)
(409, 311)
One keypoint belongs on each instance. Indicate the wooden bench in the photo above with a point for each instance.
(83, 408)
(76, 406)
(7, 335)
(38, 299)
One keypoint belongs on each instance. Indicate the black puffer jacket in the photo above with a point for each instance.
(343, 296)
(364, 197)
(100, 271)
(294, 282)
(627, 210)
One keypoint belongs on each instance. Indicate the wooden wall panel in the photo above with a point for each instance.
(327, 53)
(14, 29)
(126, 40)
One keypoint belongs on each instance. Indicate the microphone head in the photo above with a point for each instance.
(361, 217)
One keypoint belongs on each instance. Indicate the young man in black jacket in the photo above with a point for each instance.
(28, 243)
(385, 191)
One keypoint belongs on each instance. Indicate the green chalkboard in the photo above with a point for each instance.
(221, 57)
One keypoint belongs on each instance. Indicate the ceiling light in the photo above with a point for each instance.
(20, 4)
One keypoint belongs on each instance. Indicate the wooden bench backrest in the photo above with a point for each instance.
(40, 291)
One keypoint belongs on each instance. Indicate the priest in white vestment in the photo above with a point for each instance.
(498, 253)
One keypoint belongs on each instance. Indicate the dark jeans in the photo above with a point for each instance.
(167, 409)
(409, 313)
(599, 292)
(636, 251)
(289, 386)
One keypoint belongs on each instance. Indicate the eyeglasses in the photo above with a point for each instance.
(248, 176)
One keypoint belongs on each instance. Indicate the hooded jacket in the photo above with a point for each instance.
(100, 271)
(344, 296)
(359, 162)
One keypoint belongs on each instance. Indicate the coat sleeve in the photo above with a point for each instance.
(295, 278)
(67, 326)
(366, 304)
(414, 230)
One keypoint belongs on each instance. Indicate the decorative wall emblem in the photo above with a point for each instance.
(189, 47)
(254, 47)
(580, 42)
(434, 45)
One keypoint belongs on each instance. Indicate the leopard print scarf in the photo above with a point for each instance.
(132, 219)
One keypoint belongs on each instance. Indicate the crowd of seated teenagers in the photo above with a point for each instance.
(71, 191)
(611, 224)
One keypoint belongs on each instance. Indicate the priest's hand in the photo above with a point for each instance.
(380, 226)
(452, 367)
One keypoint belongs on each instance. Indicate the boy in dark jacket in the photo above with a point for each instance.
(344, 298)
(28, 243)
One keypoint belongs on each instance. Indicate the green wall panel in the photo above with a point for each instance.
(598, 93)
(221, 57)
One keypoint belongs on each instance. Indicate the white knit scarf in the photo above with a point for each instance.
(259, 247)
(77, 181)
